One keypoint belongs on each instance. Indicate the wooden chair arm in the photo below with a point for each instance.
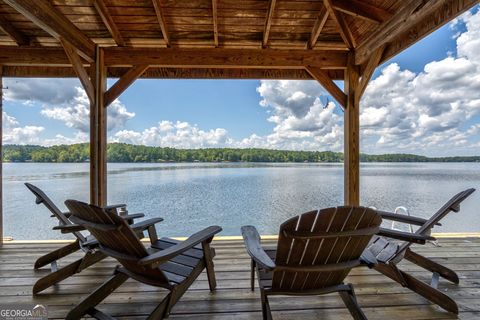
(254, 248)
(405, 236)
(145, 224)
(404, 218)
(69, 228)
(159, 257)
(115, 206)
(132, 216)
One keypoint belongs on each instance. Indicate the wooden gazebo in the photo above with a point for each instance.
(324, 40)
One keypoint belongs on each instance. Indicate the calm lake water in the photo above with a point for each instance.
(192, 196)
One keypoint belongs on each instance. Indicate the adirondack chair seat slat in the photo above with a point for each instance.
(168, 263)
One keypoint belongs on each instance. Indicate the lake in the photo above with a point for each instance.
(192, 196)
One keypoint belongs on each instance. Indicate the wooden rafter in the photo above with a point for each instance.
(327, 83)
(108, 21)
(345, 31)
(268, 22)
(449, 10)
(367, 73)
(47, 17)
(318, 27)
(79, 69)
(157, 5)
(362, 10)
(224, 58)
(123, 83)
(215, 21)
(13, 33)
(415, 13)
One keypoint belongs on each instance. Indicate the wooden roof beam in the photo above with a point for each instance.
(317, 28)
(362, 10)
(449, 11)
(328, 84)
(123, 83)
(367, 73)
(225, 58)
(47, 17)
(215, 22)
(345, 31)
(415, 20)
(33, 56)
(13, 33)
(79, 69)
(108, 22)
(268, 22)
(157, 5)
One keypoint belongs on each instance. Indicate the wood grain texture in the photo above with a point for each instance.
(12, 32)
(343, 27)
(215, 21)
(268, 22)
(318, 27)
(108, 21)
(157, 4)
(362, 10)
(123, 83)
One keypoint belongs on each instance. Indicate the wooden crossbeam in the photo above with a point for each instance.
(79, 69)
(327, 83)
(47, 17)
(345, 31)
(224, 58)
(108, 22)
(367, 73)
(362, 10)
(420, 29)
(157, 5)
(268, 22)
(318, 27)
(123, 83)
(215, 21)
(13, 33)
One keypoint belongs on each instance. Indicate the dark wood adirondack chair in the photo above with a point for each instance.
(87, 243)
(314, 254)
(389, 253)
(167, 264)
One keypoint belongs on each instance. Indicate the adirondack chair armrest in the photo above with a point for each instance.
(145, 224)
(69, 228)
(405, 236)
(404, 218)
(133, 216)
(254, 248)
(115, 206)
(155, 259)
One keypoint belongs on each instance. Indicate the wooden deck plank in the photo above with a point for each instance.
(234, 300)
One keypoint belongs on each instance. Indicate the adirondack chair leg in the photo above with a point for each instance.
(67, 271)
(56, 254)
(432, 266)
(208, 260)
(253, 265)
(266, 312)
(97, 296)
(350, 301)
(419, 287)
(161, 311)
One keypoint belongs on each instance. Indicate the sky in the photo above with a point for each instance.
(425, 101)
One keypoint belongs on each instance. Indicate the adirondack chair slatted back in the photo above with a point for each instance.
(116, 238)
(41, 197)
(452, 205)
(328, 236)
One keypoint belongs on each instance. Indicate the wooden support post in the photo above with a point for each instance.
(1, 156)
(352, 135)
(98, 134)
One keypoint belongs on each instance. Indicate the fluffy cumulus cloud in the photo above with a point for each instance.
(49, 91)
(13, 133)
(169, 134)
(431, 110)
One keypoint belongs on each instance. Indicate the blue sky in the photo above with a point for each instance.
(425, 100)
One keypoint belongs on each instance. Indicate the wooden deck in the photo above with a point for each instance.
(379, 297)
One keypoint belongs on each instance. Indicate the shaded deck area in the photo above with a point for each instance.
(380, 297)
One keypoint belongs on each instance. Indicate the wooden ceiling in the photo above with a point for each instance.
(188, 32)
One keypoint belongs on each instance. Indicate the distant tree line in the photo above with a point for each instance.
(121, 152)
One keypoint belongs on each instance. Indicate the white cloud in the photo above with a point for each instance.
(50, 91)
(169, 134)
(13, 133)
